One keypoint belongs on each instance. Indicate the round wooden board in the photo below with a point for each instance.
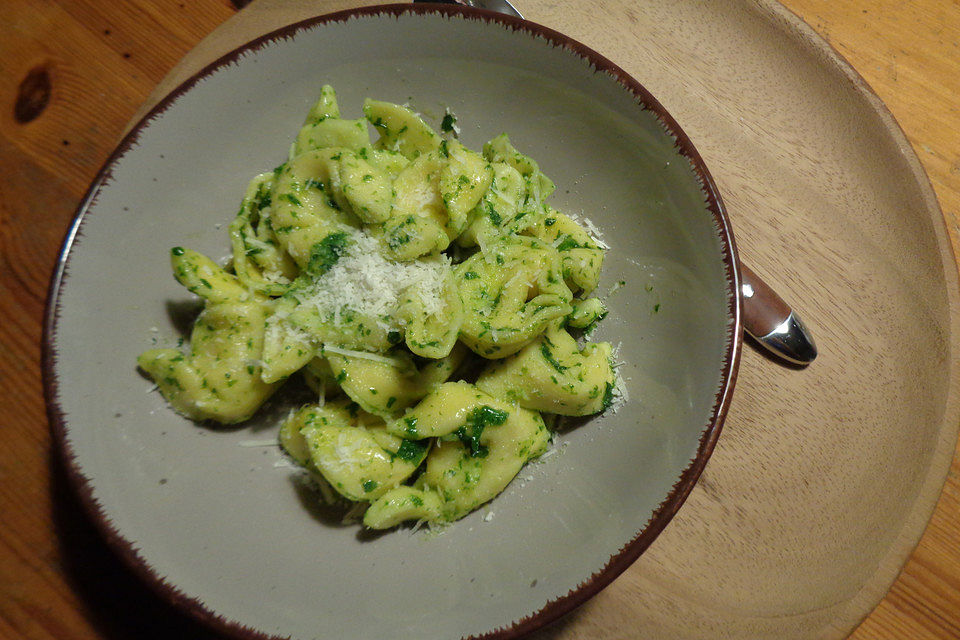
(824, 478)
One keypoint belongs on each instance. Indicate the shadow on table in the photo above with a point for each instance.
(116, 602)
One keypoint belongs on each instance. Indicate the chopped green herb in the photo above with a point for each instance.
(292, 199)
(548, 356)
(411, 425)
(493, 215)
(449, 120)
(480, 418)
(607, 397)
(324, 254)
(411, 450)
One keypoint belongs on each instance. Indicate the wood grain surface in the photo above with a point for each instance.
(72, 75)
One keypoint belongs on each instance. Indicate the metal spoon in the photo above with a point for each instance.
(770, 321)
(500, 6)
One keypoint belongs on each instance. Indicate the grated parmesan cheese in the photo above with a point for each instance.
(592, 230)
(365, 282)
(621, 395)
(258, 443)
(615, 287)
(349, 452)
(350, 353)
(322, 392)
(595, 234)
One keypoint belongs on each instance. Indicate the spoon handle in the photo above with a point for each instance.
(500, 6)
(772, 323)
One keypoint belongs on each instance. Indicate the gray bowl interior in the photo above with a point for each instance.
(222, 518)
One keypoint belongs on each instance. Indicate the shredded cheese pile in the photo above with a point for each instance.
(364, 282)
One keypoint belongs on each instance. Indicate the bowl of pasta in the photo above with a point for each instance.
(450, 333)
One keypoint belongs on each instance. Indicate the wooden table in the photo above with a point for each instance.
(73, 74)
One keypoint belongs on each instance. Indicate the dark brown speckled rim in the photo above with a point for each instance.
(618, 562)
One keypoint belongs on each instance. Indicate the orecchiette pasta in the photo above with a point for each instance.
(219, 379)
(512, 291)
(426, 293)
(555, 375)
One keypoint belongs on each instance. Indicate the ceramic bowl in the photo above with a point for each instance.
(215, 519)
